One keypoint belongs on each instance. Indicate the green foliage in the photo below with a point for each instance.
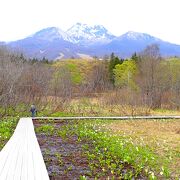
(112, 153)
(76, 76)
(60, 160)
(7, 127)
(112, 63)
(134, 57)
(72, 70)
(65, 132)
(20, 110)
(82, 178)
(124, 74)
(47, 129)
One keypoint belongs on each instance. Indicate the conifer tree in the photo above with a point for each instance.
(114, 60)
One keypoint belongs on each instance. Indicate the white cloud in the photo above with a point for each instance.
(20, 18)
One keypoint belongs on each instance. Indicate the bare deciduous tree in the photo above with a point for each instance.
(99, 80)
(149, 75)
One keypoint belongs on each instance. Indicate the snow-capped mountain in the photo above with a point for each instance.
(78, 33)
(132, 35)
(51, 34)
(130, 42)
(50, 42)
(82, 33)
(83, 39)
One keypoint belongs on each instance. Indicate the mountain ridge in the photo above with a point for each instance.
(52, 42)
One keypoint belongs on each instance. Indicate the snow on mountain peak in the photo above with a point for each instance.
(78, 33)
(131, 35)
(83, 33)
(51, 33)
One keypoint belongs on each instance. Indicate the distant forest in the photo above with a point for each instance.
(145, 80)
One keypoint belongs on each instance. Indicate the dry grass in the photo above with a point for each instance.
(163, 136)
(165, 112)
(100, 102)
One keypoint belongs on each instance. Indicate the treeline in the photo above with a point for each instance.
(144, 80)
(22, 82)
(148, 80)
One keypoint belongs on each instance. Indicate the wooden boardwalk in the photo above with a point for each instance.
(21, 157)
(109, 118)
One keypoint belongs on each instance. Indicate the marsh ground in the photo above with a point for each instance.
(81, 149)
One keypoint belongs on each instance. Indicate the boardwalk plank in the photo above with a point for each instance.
(9, 154)
(108, 118)
(21, 157)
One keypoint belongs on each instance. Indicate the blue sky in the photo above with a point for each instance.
(160, 18)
